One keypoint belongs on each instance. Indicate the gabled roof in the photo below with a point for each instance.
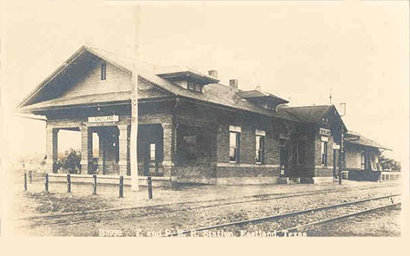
(309, 114)
(218, 94)
(312, 114)
(358, 139)
(79, 100)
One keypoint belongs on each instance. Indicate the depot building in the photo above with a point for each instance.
(191, 128)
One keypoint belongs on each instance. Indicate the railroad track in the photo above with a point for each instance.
(92, 216)
(284, 222)
(96, 216)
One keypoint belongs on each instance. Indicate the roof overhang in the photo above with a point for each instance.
(187, 74)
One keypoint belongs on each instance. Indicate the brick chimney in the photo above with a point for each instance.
(234, 83)
(213, 73)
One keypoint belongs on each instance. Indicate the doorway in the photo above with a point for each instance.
(284, 157)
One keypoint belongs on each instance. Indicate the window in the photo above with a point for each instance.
(300, 151)
(234, 140)
(152, 152)
(103, 70)
(260, 146)
(260, 149)
(194, 87)
(363, 161)
(234, 143)
(324, 153)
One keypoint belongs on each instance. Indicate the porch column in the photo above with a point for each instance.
(123, 148)
(51, 148)
(168, 140)
(86, 149)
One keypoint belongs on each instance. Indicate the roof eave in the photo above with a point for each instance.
(187, 74)
(52, 75)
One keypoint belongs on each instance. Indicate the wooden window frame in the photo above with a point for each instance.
(236, 148)
(260, 152)
(323, 153)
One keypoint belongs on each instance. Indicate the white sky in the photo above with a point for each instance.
(295, 50)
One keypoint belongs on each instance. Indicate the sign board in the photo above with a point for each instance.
(335, 146)
(325, 132)
(101, 119)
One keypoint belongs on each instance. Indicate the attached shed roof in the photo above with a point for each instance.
(358, 139)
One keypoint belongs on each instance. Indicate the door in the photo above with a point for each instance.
(334, 162)
(283, 158)
(150, 159)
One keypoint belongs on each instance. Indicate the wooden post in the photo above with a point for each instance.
(149, 187)
(46, 184)
(341, 156)
(134, 109)
(30, 177)
(121, 188)
(68, 183)
(95, 184)
(25, 181)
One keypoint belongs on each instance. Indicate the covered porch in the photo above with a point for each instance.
(166, 147)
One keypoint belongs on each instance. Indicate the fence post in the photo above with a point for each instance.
(121, 190)
(149, 187)
(46, 184)
(95, 184)
(68, 183)
(25, 181)
(30, 177)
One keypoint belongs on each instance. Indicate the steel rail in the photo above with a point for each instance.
(295, 228)
(279, 216)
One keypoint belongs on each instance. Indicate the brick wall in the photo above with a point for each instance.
(247, 166)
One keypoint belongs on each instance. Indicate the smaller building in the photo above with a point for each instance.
(362, 157)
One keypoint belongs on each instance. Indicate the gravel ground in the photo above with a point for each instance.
(383, 223)
(151, 221)
(276, 226)
(180, 208)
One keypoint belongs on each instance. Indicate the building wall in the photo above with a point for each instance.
(247, 166)
(323, 170)
(213, 125)
(353, 156)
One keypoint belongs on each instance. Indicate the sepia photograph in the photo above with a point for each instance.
(205, 119)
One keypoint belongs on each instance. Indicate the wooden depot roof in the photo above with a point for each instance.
(358, 139)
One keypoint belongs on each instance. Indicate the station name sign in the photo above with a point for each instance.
(325, 132)
(101, 119)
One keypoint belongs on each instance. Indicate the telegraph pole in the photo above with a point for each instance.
(330, 96)
(134, 109)
(341, 150)
(341, 156)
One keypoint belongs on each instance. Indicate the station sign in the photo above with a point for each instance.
(325, 132)
(101, 119)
